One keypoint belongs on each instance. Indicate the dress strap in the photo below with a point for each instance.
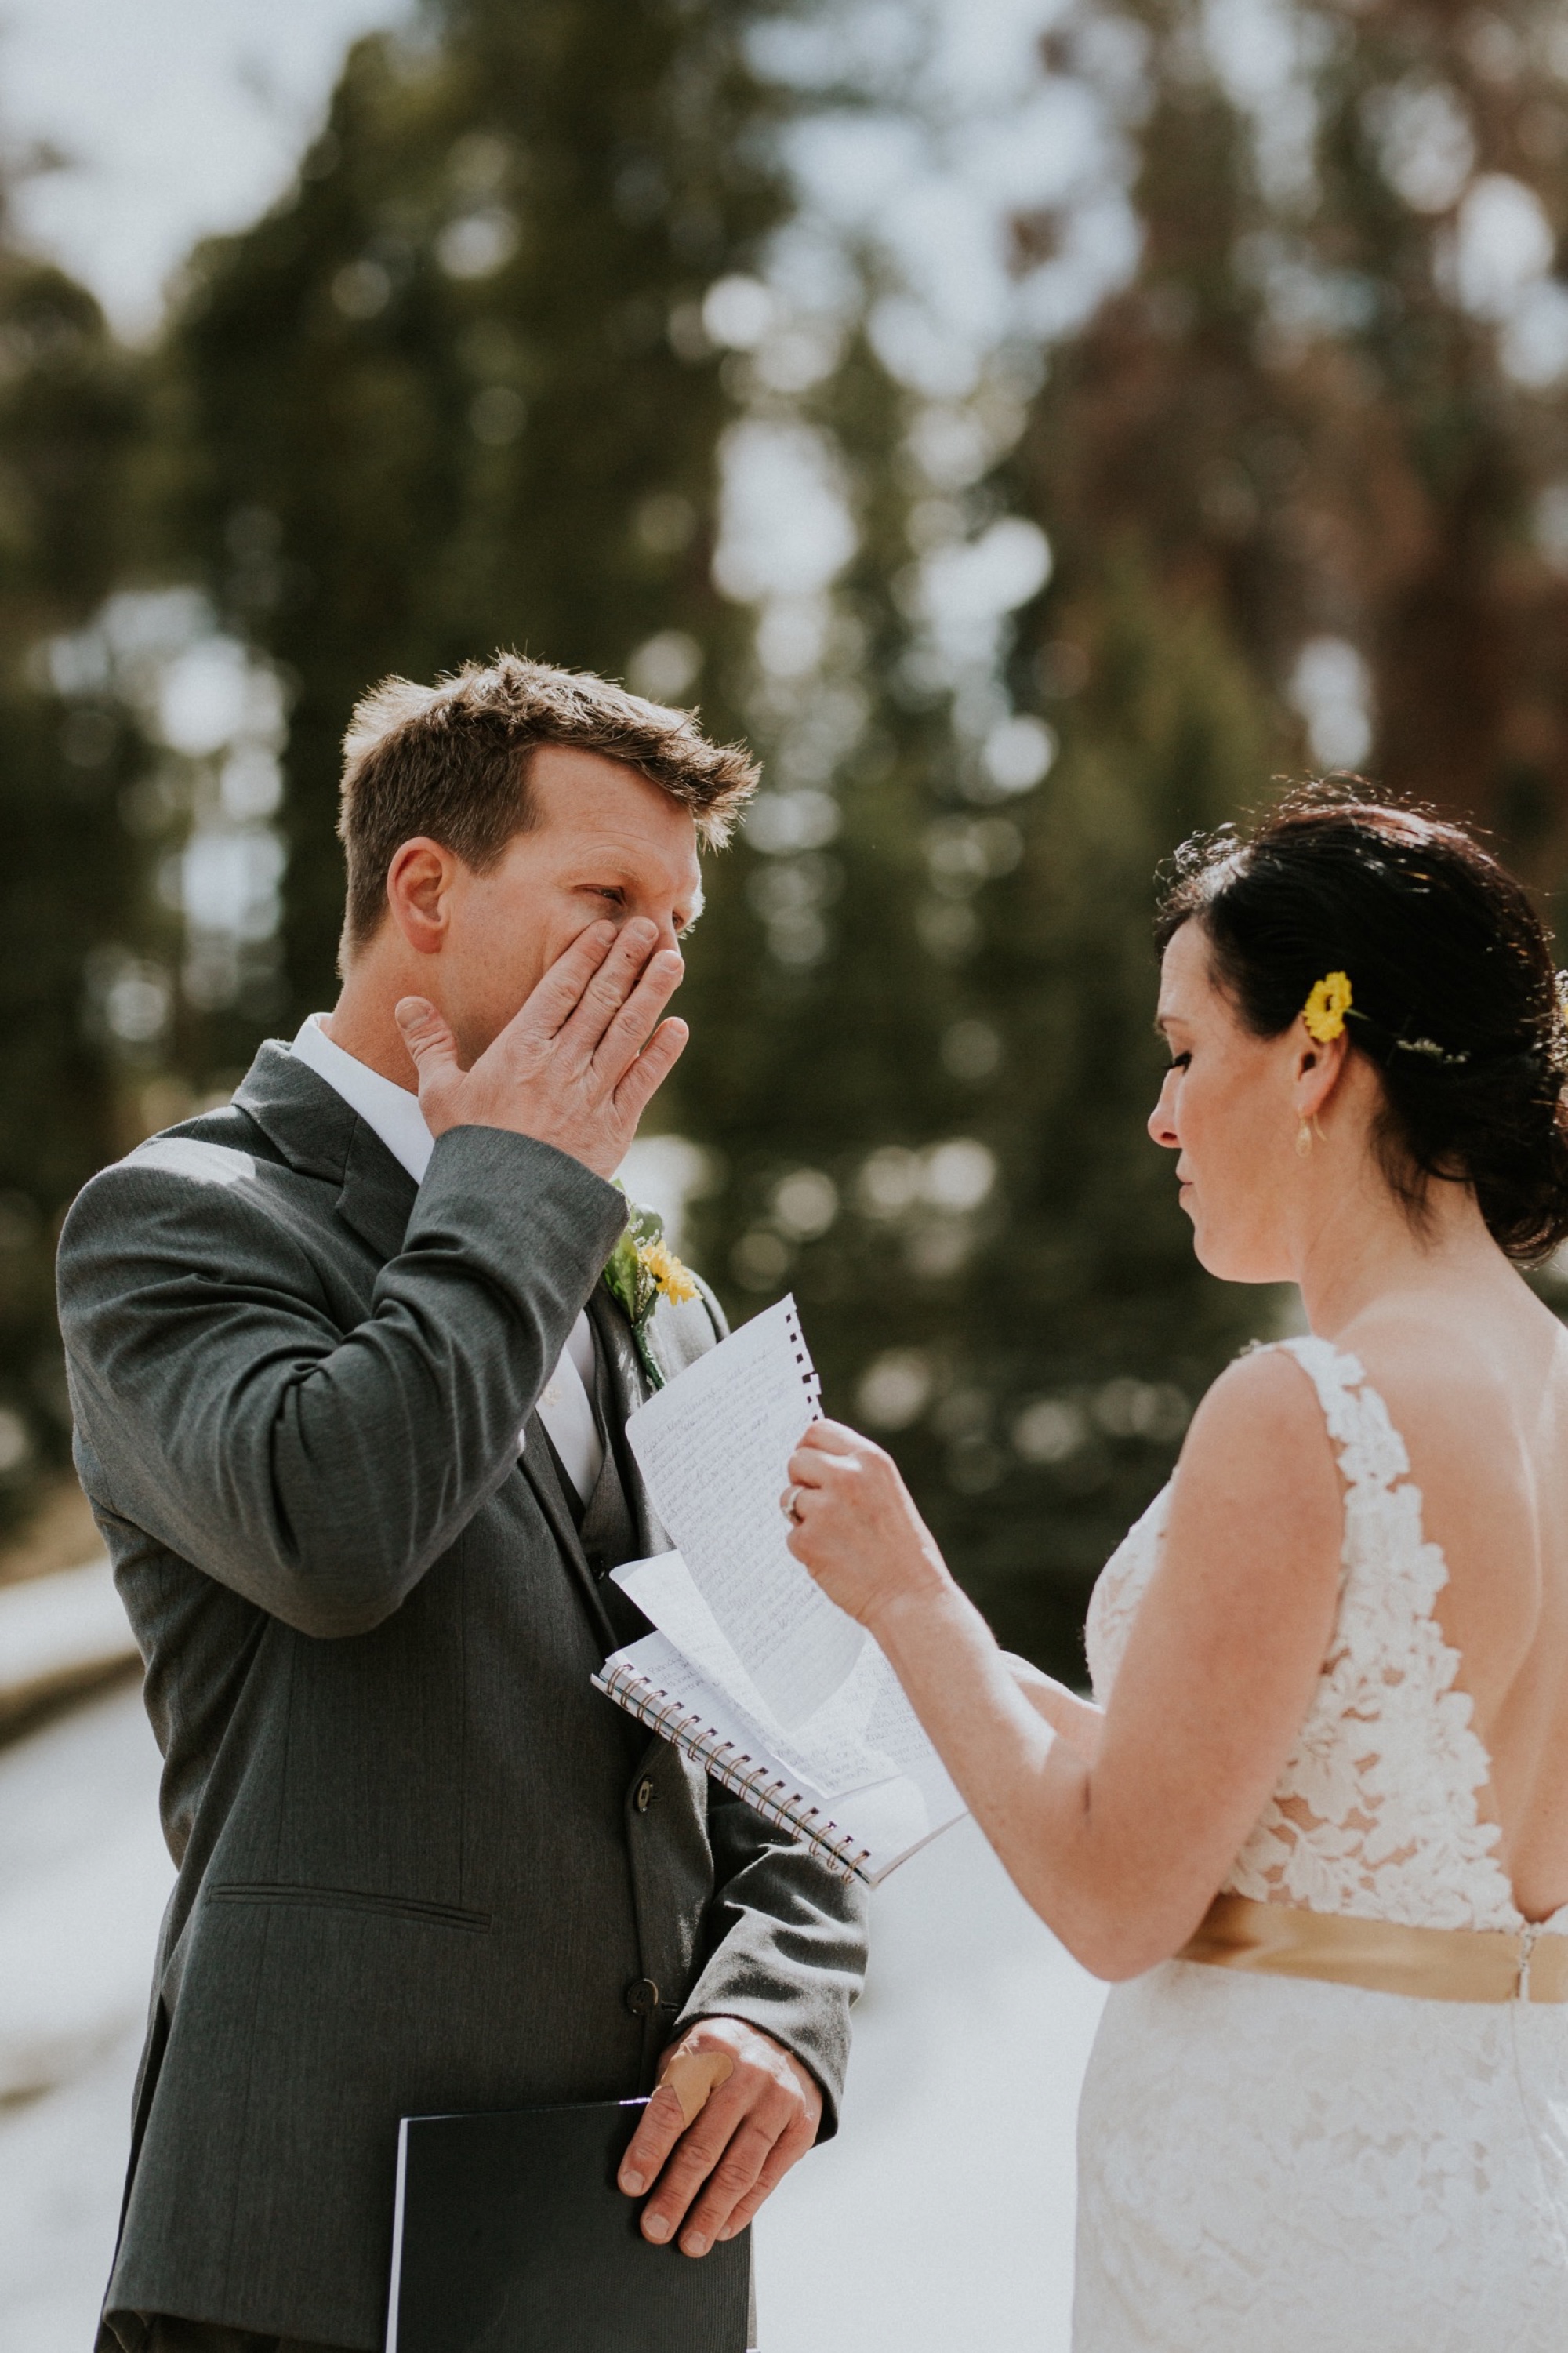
(1370, 1453)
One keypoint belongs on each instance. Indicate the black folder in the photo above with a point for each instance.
(512, 2237)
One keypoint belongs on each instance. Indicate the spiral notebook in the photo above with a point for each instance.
(752, 1672)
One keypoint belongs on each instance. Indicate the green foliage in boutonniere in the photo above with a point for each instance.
(642, 1270)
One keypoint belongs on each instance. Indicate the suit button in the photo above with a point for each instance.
(642, 1997)
(644, 1798)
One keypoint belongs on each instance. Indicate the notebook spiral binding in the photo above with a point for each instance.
(727, 1765)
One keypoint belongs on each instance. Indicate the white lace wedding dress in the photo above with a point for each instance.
(1273, 2165)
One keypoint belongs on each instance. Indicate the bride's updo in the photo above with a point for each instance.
(1456, 1001)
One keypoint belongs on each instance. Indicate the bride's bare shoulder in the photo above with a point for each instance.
(1257, 1452)
(1267, 1393)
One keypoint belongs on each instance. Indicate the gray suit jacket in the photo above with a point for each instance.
(420, 1867)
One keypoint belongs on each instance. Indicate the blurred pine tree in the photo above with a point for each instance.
(1329, 406)
(454, 391)
(69, 912)
(538, 297)
(922, 1040)
(925, 1047)
(1435, 422)
(463, 387)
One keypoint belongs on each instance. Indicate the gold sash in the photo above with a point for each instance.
(1435, 1964)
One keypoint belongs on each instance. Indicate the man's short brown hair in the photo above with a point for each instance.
(450, 761)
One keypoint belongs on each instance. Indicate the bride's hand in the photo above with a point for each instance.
(854, 1525)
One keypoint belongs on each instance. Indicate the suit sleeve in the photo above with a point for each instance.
(317, 1471)
(786, 1945)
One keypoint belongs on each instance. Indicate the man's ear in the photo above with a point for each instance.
(419, 892)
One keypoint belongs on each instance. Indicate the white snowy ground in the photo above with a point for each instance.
(941, 2216)
(83, 1879)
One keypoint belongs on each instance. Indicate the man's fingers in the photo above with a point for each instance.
(663, 2122)
(722, 2155)
(687, 2090)
(691, 2075)
(608, 988)
(651, 1069)
(430, 1043)
(557, 996)
(632, 1027)
(732, 2178)
(694, 2152)
(687, 2084)
(787, 2150)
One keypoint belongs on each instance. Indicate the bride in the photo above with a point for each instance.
(1315, 1824)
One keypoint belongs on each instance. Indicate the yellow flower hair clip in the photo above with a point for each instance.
(1325, 1009)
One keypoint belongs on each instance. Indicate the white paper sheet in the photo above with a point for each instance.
(666, 1592)
(714, 1449)
(864, 1731)
(890, 1818)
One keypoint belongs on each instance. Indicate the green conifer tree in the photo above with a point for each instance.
(70, 914)
(461, 387)
(1330, 405)
(454, 391)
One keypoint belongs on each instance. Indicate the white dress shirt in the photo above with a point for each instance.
(395, 1114)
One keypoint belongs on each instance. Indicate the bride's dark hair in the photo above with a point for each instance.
(1456, 1001)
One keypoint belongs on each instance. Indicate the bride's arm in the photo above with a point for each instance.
(1119, 1846)
(1078, 1721)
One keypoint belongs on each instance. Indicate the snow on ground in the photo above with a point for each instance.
(83, 1880)
(941, 2216)
(57, 1633)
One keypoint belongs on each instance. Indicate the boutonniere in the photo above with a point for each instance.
(642, 1270)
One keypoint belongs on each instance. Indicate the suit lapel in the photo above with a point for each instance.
(628, 1387)
(539, 1469)
(378, 1193)
(320, 1134)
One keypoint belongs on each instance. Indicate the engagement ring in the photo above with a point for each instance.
(787, 1504)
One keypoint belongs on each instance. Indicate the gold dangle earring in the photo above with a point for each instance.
(1303, 1141)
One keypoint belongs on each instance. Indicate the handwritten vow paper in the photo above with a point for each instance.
(752, 1673)
(713, 1449)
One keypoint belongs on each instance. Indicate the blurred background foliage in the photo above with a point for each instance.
(1033, 461)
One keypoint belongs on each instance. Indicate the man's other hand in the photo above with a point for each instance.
(578, 1065)
(722, 2136)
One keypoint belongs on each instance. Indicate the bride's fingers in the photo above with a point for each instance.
(833, 1437)
(811, 1471)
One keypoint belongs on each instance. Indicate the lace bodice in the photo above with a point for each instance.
(1273, 2165)
(1377, 1811)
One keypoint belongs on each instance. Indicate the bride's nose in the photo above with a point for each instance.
(1163, 1120)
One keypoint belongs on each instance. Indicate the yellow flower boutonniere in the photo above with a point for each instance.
(671, 1278)
(1325, 1009)
(642, 1270)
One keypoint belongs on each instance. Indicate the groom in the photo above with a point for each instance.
(349, 1402)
